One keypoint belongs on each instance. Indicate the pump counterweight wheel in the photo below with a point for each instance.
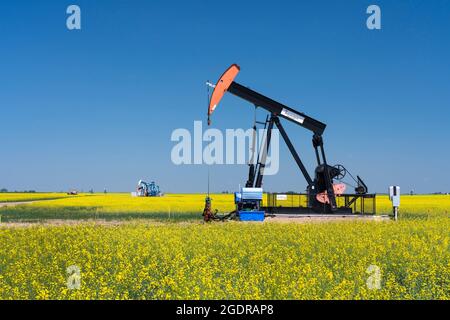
(342, 172)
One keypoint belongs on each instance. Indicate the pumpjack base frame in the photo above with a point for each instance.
(296, 204)
(326, 217)
(304, 211)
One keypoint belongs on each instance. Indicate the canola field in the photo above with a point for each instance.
(151, 256)
(120, 206)
(174, 207)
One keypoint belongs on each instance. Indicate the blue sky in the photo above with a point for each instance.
(95, 108)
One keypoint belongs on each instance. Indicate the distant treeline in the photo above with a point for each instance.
(15, 191)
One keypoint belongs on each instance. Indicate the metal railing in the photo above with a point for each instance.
(359, 203)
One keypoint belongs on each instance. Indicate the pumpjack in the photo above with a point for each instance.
(145, 189)
(322, 191)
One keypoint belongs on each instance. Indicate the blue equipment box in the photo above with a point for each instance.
(251, 215)
(252, 194)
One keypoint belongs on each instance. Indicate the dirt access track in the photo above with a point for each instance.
(18, 203)
(12, 204)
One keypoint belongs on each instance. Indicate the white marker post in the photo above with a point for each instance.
(394, 196)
